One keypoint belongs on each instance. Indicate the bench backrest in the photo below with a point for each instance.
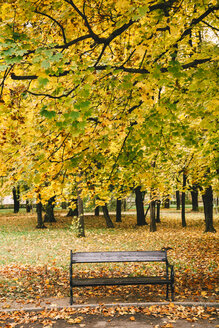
(101, 257)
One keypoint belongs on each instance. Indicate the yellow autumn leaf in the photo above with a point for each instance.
(76, 320)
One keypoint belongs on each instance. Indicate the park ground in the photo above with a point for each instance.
(34, 273)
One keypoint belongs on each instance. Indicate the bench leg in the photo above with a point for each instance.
(172, 291)
(71, 296)
(167, 292)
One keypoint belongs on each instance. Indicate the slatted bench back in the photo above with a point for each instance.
(102, 257)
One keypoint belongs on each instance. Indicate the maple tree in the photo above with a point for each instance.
(119, 93)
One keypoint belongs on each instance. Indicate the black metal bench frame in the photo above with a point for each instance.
(138, 256)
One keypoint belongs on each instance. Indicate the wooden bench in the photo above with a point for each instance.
(139, 256)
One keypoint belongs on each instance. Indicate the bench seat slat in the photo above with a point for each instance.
(101, 257)
(120, 281)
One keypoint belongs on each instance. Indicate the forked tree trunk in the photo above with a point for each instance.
(208, 209)
(152, 216)
(194, 194)
(109, 222)
(118, 210)
(183, 213)
(177, 200)
(139, 202)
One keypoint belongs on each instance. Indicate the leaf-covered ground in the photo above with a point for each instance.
(165, 316)
(34, 263)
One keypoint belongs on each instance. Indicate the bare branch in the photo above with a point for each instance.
(54, 20)
(189, 29)
(101, 54)
(52, 97)
(6, 73)
(95, 37)
(71, 43)
(212, 27)
(192, 64)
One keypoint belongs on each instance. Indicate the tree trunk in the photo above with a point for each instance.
(49, 208)
(139, 202)
(124, 205)
(208, 209)
(177, 200)
(39, 209)
(28, 206)
(118, 210)
(97, 211)
(16, 198)
(63, 205)
(152, 217)
(146, 212)
(167, 202)
(80, 210)
(184, 202)
(158, 211)
(194, 194)
(109, 222)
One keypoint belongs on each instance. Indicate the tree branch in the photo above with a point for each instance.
(192, 64)
(54, 20)
(53, 97)
(71, 43)
(212, 27)
(94, 36)
(189, 29)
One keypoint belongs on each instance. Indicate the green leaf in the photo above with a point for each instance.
(45, 64)
(43, 81)
(82, 104)
(3, 67)
(48, 114)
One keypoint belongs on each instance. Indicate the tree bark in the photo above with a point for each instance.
(158, 211)
(109, 222)
(97, 211)
(167, 202)
(208, 209)
(49, 208)
(146, 212)
(39, 209)
(124, 205)
(177, 200)
(28, 206)
(152, 217)
(139, 202)
(16, 198)
(80, 209)
(194, 194)
(184, 201)
(118, 210)
(63, 205)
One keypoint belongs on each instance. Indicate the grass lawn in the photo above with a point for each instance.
(34, 263)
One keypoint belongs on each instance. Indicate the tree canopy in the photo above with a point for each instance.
(122, 93)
